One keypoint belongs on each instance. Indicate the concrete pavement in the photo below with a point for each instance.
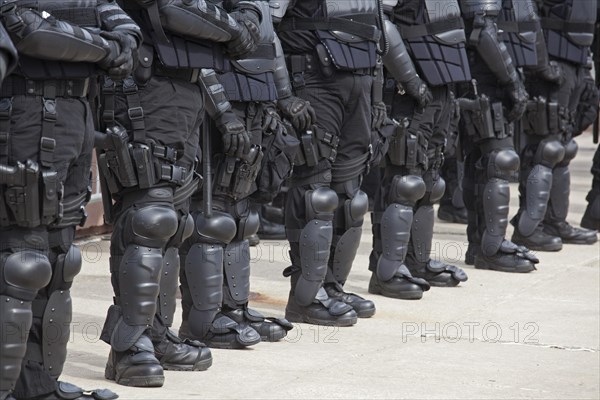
(497, 336)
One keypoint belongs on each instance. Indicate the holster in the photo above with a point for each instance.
(21, 195)
(543, 117)
(406, 149)
(483, 120)
(316, 144)
(236, 176)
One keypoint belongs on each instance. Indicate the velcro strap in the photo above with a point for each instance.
(432, 28)
(518, 26)
(19, 86)
(79, 16)
(47, 142)
(164, 152)
(567, 26)
(364, 30)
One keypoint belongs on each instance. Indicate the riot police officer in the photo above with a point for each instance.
(497, 100)
(45, 156)
(149, 170)
(404, 216)
(554, 116)
(332, 53)
(218, 272)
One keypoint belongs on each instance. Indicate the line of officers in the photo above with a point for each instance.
(199, 110)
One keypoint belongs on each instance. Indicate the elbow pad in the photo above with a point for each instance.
(281, 75)
(493, 51)
(397, 61)
(215, 101)
(198, 19)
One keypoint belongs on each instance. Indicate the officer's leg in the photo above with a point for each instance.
(555, 222)
(452, 207)
(353, 204)
(236, 282)
(418, 259)
(591, 217)
(137, 245)
(498, 164)
(470, 196)
(24, 269)
(535, 185)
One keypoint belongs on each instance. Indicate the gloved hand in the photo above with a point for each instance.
(551, 73)
(122, 56)
(518, 96)
(236, 142)
(378, 114)
(418, 90)
(298, 111)
(272, 123)
(247, 41)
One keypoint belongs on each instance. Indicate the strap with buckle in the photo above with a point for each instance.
(47, 142)
(135, 110)
(5, 114)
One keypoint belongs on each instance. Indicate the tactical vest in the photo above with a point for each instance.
(435, 39)
(251, 79)
(349, 29)
(569, 28)
(519, 23)
(83, 13)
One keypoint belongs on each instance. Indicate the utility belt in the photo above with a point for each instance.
(483, 119)
(32, 195)
(543, 117)
(408, 150)
(184, 74)
(48, 88)
(236, 177)
(316, 144)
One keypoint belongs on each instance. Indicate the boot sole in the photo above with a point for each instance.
(201, 365)
(301, 318)
(135, 381)
(590, 240)
(546, 247)
(273, 338)
(396, 295)
(521, 270)
(365, 313)
(451, 283)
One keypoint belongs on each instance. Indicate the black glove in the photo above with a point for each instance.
(418, 90)
(298, 111)
(247, 42)
(518, 96)
(236, 142)
(272, 123)
(378, 114)
(122, 56)
(552, 73)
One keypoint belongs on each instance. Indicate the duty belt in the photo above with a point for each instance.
(48, 88)
(184, 74)
(298, 63)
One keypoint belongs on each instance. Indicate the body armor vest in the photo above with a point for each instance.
(519, 24)
(349, 30)
(83, 13)
(251, 79)
(434, 34)
(569, 28)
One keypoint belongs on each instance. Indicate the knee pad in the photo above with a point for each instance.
(68, 265)
(549, 153)
(503, 164)
(153, 225)
(219, 228)
(355, 209)
(321, 203)
(571, 149)
(24, 273)
(407, 190)
(248, 225)
(436, 192)
(185, 229)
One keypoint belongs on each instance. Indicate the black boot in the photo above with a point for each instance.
(68, 391)
(322, 311)
(449, 213)
(510, 258)
(137, 366)
(403, 287)
(364, 308)
(175, 354)
(570, 234)
(538, 241)
(270, 329)
(224, 333)
(439, 274)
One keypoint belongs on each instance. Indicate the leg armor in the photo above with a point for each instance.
(315, 243)
(392, 278)
(538, 186)
(147, 229)
(561, 185)
(22, 274)
(202, 281)
(501, 166)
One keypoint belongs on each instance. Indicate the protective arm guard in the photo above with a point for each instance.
(397, 61)
(279, 8)
(198, 19)
(281, 75)
(8, 54)
(484, 38)
(114, 19)
(51, 39)
(214, 94)
(545, 68)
